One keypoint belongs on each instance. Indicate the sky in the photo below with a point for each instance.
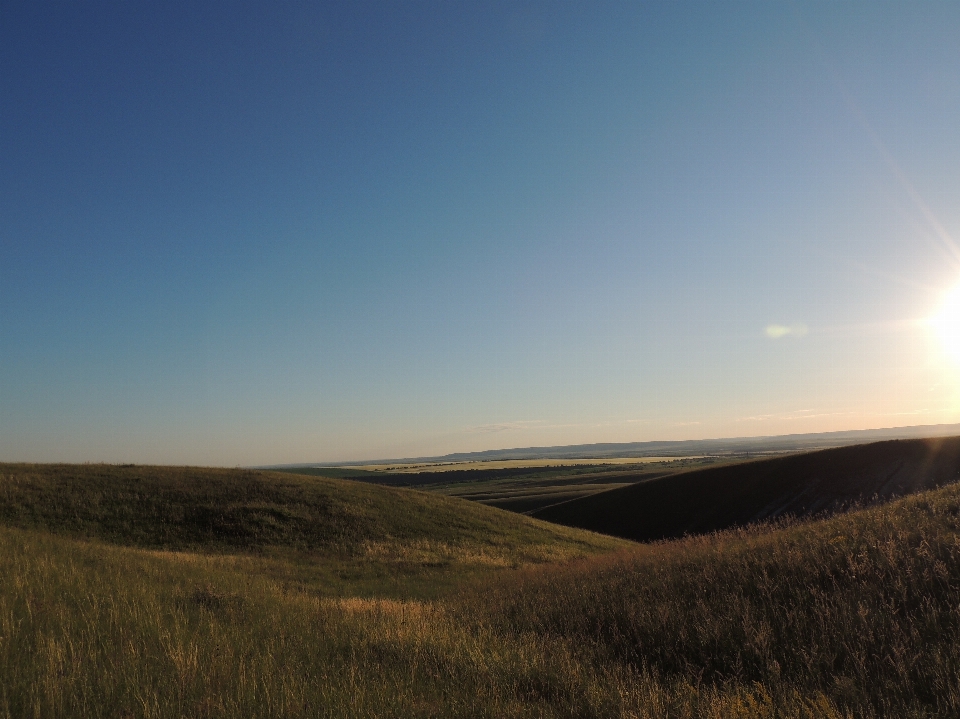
(238, 233)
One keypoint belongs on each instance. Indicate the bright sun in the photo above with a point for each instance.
(947, 323)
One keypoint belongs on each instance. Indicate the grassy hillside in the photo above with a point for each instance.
(370, 538)
(855, 616)
(95, 630)
(734, 495)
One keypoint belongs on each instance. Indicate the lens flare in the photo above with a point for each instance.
(947, 324)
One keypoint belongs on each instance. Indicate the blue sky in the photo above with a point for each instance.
(245, 233)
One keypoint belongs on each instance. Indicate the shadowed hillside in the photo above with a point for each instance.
(798, 485)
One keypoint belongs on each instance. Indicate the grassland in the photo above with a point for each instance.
(119, 600)
(330, 535)
(857, 615)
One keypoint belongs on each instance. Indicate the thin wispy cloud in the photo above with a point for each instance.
(795, 414)
(497, 427)
(504, 427)
(775, 331)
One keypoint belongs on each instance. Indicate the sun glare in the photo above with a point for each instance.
(947, 323)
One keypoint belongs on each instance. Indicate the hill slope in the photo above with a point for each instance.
(851, 616)
(798, 485)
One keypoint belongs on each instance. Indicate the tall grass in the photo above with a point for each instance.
(856, 616)
(88, 630)
(862, 609)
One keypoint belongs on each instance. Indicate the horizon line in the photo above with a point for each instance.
(608, 446)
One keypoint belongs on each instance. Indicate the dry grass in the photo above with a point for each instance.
(88, 630)
(861, 610)
(856, 616)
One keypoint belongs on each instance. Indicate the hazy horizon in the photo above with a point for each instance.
(251, 234)
(621, 450)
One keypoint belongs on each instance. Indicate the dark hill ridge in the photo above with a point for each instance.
(800, 485)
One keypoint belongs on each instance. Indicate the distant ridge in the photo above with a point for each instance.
(680, 448)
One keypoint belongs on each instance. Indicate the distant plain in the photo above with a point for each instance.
(510, 464)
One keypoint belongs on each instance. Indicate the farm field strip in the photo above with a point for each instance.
(513, 464)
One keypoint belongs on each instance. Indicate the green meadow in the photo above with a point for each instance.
(183, 592)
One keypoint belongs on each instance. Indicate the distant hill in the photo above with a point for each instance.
(798, 485)
(734, 445)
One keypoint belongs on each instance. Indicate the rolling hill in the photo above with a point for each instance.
(853, 615)
(800, 485)
(162, 592)
(117, 601)
(332, 535)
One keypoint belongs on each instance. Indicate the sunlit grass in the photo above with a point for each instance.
(92, 630)
(862, 609)
(856, 616)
